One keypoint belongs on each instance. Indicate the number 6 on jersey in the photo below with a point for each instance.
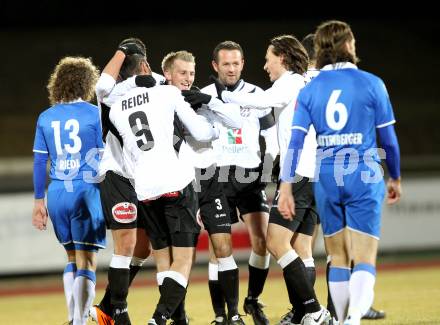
(334, 107)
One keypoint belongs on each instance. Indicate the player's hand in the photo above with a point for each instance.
(394, 189)
(219, 86)
(286, 202)
(39, 215)
(146, 81)
(130, 49)
(196, 98)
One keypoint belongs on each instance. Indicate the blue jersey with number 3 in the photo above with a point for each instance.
(71, 135)
(351, 104)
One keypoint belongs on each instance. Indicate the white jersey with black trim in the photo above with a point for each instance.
(107, 92)
(282, 96)
(144, 119)
(240, 146)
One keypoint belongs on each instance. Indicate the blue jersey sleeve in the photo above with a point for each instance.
(39, 176)
(383, 110)
(40, 145)
(301, 118)
(99, 143)
(388, 139)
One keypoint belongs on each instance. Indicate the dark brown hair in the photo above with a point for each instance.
(226, 45)
(294, 55)
(330, 43)
(309, 44)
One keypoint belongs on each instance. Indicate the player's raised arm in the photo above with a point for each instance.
(107, 90)
(277, 96)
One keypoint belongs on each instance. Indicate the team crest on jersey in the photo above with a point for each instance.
(234, 136)
(124, 212)
(245, 111)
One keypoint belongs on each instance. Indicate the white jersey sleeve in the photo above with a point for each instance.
(119, 90)
(277, 96)
(228, 114)
(240, 146)
(199, 126)
(271, 139)
(104, 86)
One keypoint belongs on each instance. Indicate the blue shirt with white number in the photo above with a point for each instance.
(71, 135)
(351, 104)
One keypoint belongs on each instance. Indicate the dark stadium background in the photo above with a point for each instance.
(403, 50)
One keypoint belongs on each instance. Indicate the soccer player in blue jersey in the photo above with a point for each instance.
(346, 106)
(69, 135)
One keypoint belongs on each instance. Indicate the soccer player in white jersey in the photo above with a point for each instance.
(286, 63)
(69, 134)
(144, 120)
(238, 152)
(179, 70)
(124, 216)
(347, 106)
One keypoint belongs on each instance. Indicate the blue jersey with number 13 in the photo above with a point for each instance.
(71, 135)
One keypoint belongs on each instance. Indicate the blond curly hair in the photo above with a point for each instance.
(72, 78)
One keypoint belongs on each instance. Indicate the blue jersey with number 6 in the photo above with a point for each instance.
(71, 134)
(351, 104)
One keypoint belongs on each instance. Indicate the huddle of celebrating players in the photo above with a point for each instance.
(161, 156)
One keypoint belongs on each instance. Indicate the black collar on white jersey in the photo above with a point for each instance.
(234, 87)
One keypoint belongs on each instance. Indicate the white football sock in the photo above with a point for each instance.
(83, 294)
(362, 283)
(339, 282)
(68, 279)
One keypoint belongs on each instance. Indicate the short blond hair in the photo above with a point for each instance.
(72, 78)
(170, 58)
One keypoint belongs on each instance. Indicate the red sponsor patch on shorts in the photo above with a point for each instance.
(124, 212)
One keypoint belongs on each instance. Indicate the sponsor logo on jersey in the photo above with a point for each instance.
(245, 112)
(234, 136)
(124, 212)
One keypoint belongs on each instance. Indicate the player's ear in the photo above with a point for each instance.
(145, 66)
(167, 74)
(350, 46)
(214, 65)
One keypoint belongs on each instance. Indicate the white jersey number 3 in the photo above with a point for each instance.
(73, 126)
(334, 107)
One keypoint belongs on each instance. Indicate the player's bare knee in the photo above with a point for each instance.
(303, 246)
(183, 256)
(259, 245)
(86, 260)
(222, 249)
(277, 246)
(124, 241)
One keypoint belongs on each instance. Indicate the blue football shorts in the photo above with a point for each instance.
(355, 204)
(76, 215)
